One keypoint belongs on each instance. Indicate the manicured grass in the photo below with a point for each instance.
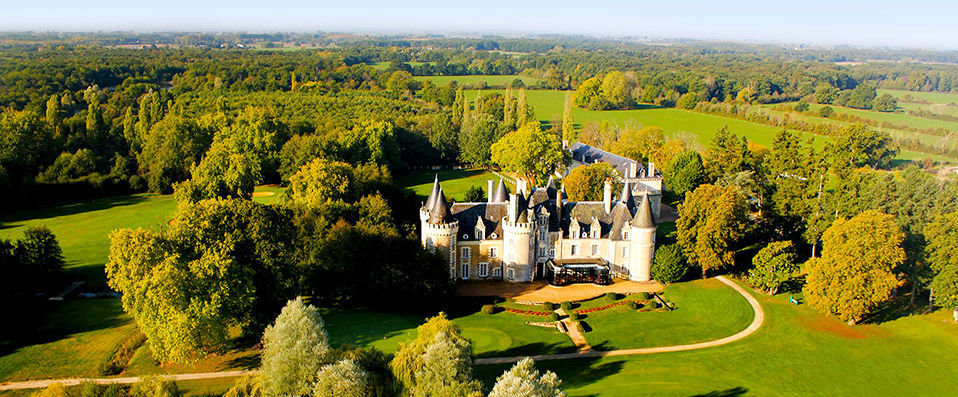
(798, 351)
(472, 80)
(705, 310)
(64, 339)
(370, 328)
(454, 182)
(933, 97)
(506, 334)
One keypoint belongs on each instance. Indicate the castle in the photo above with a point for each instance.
(537, 233)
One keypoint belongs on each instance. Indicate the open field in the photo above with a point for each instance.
(472, 80)
(549, 106)
(454, 182)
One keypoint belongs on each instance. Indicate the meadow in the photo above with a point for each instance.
(454, 182)
(473, 80)
(549, 106)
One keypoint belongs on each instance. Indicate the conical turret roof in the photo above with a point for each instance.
(434, 193)
(626, 196)
(502, 193)
(439, 212)
(643, 217)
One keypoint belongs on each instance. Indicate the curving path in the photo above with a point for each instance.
(754, 326)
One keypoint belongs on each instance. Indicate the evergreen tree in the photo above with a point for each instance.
(568, 125)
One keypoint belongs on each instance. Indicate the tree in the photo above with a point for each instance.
(713, 219)
(220, 264)
(437, 362)
(170, 148)
(523, 380)
(825, 94)
(857, 269)
(222, 173)
(684, 173)
(344, 378)
(727, 155)
(522, 109)
(476, 138)
(568, 123)
(945, 287)
(588, 94)
(687, 100)
(773, 265)
(826, 111)
(669, 265)
(39, 252)
(885, 103)
(295, 347)
(860, 145)
(530, 152)
(640, 144)
(322, 181)
(475, 194)
(862, 97)
(587, 182)
(942, 237)
(400, 81)
(615, 89)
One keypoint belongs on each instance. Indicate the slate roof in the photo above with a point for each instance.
(439, 213)
(643, 217)
(433, 194)
(502, 193)
(586, 154)
(469, 214)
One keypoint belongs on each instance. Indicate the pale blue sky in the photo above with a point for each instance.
(915, 23)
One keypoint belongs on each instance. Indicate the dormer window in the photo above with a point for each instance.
(625, 235)
(479, 234)
(595, 229)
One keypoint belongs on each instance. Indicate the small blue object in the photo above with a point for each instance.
(791, 299)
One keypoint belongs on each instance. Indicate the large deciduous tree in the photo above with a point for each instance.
(587, 182)
(529, 151)
(437, 362)
(222, 173)
(942, 254)
(713, 219)
(857, 269)
(684, 173)
(295, 347)
(773, 265)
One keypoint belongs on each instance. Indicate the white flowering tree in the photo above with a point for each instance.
(523, 380)
(295, 347)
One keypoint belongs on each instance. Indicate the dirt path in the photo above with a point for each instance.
(754, 326)
(573, 332)
(38, 384)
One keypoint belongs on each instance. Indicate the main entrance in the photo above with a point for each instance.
(570, 271)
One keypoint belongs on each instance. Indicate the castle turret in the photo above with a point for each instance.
(642, 242)
(439, 230)
(518, 241)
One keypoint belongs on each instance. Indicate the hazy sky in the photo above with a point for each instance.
(915, 23)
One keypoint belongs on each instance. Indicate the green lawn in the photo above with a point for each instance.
(472, 80)
(506, 334)
(454, 182)
(798, 351)
(370, 328)
(705, 310)
(701, 127)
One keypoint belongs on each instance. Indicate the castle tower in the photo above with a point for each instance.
(642, 242)
(439, 229)
(424, 210)
(518, 242)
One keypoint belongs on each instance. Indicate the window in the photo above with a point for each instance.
(625, 235)
(493, 252)
(544, 235)
(479, 234)
(542, 251)
(483, 269)
(465, 271)
(595, 249)
(466, 253)
(497, 272)
(625, 251)
(575, 249)
(552, 253)
(512, 274)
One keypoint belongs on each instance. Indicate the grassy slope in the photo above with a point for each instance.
(454, 182)
(549, 106)
(698, 302)
(796, 352)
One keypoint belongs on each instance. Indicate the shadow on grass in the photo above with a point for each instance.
(735, 391)
(530, 349)
(894, 309)
(62, 209)
(43, 321)
(576, 372)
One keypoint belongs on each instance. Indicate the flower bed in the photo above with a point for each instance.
(595, 309)
(526, 312)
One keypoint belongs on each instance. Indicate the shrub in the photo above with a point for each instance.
(644, 296)
(652, 305)
(633, 305)
(566, 305)
(547, 305)
(612, 296)
(669, 265)
(554, 316)
(154, 386)
(488, 309)
(574, 316)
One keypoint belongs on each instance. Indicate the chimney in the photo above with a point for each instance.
(489, 192)
(513, 207)
(607, 196)
(521, 186)
(565, 144)
(633, 170)
(651, 170)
